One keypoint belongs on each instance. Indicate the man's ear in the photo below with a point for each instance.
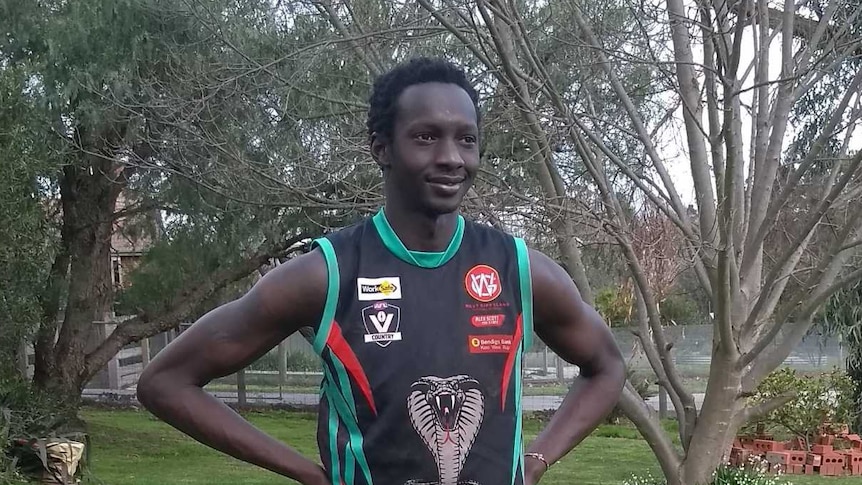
(380, 150)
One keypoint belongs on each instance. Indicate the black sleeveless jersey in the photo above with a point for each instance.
(422, 357)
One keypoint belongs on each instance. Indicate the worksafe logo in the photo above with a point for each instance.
(382, 322)
(483, 283)
(373, 289)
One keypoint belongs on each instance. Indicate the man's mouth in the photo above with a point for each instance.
(446, 185)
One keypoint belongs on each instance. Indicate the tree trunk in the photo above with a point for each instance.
(50, 301)
(643, 416)
(182, 305)
(716, 426)
(89, 196)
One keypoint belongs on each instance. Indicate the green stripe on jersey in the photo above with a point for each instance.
(333, 283)
(333, 441)
(526, 285)
(518, 448)
(347, 410)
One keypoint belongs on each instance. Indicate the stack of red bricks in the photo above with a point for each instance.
(792, 457)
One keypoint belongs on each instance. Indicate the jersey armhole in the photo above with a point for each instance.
(526, 285)
(332, 287)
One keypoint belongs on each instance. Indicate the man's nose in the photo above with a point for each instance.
(449, 154)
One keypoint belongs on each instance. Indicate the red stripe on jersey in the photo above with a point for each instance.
(342, 351)
(510, 360)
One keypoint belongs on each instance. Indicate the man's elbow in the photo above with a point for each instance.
(615, 367)
(153, 387)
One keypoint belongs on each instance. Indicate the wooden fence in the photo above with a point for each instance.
(122, 372)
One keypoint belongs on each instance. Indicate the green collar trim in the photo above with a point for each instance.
(422, 259)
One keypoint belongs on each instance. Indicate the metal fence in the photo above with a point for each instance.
(547, 375)
(291, 373)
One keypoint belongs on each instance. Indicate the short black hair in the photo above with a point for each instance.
(383, 102)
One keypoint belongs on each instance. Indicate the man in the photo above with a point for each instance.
(421, 319)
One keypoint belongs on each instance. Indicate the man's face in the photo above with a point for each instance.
(433, 155)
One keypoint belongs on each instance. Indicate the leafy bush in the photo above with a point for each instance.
(27, 419)
(820, 399)
(615, 306)
(680, 309)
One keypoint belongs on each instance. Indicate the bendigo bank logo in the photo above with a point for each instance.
(483, 283)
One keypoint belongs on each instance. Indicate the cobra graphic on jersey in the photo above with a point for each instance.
(447, 414)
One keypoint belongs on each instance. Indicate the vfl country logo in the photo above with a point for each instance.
(483, 283)
(373, 289)
(382, 322)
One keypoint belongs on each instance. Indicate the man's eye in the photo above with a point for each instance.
(424, 137)
(470, 139)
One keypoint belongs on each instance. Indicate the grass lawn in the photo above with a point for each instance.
(133, 448)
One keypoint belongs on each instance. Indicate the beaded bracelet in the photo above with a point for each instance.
(539, 457)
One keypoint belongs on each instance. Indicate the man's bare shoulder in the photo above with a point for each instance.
(294, 291)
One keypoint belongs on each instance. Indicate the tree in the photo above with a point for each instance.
(766, 279)
(135, 100)
(842, 316)
(28, 234)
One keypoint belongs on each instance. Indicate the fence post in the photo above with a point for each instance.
(561, 378)
(145, 353)
(662, 402)
(545, 360)
(114, 373)
(282, 368)
(240, 387)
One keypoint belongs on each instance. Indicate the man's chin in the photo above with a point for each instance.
(443, 207)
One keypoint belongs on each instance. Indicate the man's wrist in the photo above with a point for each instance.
(540, 457)
(312, 474)
(533, 469)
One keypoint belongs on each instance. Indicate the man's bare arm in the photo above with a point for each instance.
(224, 341)
(576, 332)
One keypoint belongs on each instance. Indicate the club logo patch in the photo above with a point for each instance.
(483, 283)
(382, 323)
(374, 289)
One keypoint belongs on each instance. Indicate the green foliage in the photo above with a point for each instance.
(615, 306)
(842, 315)
(28, 237)
(29, 419)
(820, 400)
(680, 309)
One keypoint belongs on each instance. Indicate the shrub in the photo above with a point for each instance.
(27, 419)
(680, 309)
(820, 399)
(615, 306)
